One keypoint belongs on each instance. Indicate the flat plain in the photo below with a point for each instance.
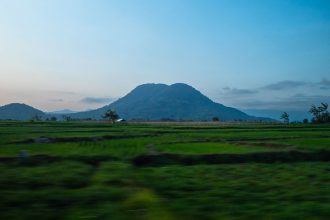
(91, 170)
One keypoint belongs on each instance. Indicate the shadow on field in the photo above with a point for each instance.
(236, 142)
(36, 160)
(51, 140)
(269, 157)
(163, 159)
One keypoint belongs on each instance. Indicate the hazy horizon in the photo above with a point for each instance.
(80, 55)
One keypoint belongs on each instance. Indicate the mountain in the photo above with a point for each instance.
(159, 101)
(146, 102)
(17, 111)
(60, 112)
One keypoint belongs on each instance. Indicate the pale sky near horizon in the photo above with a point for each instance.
(80, 54)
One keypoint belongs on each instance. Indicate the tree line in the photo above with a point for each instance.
(320, 114)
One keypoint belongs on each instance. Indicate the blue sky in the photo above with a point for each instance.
(256, 54)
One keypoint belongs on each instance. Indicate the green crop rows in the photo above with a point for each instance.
(87, 171)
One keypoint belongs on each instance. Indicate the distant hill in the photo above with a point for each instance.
(159, 101)
(59, 112)
(146, 102)
(17, 111)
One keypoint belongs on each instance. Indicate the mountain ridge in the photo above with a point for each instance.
(150, 101)
(19, 111)
(178, 101)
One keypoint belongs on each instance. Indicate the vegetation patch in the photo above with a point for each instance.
(164, 171)
(269, 157)
(49, 140)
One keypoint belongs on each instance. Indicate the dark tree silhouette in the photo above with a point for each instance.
(36, 117)
(320, 113)
(215, 119)
(285, 117)
(66, 118)
(111, 115)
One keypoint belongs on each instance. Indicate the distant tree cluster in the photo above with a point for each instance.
(35, 118)
(111, 115)
(53, 118)
(285, 117)
(67, 118)
(320, 114)
(215, 119)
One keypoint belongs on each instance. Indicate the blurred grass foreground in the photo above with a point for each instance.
(75, 170)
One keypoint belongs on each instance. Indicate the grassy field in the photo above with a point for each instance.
(172, 171)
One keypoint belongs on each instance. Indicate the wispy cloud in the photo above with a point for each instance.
(56, 100)
(62, 92)
(294, 102)
(96, 100)
(234, 91)
(282, 95)
(324, 84)
(286, 84)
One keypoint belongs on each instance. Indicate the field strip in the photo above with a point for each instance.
(39, 159)
(51, 140)
(267, 157)
(232, 140)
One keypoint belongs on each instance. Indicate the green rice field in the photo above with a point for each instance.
(96, 170)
